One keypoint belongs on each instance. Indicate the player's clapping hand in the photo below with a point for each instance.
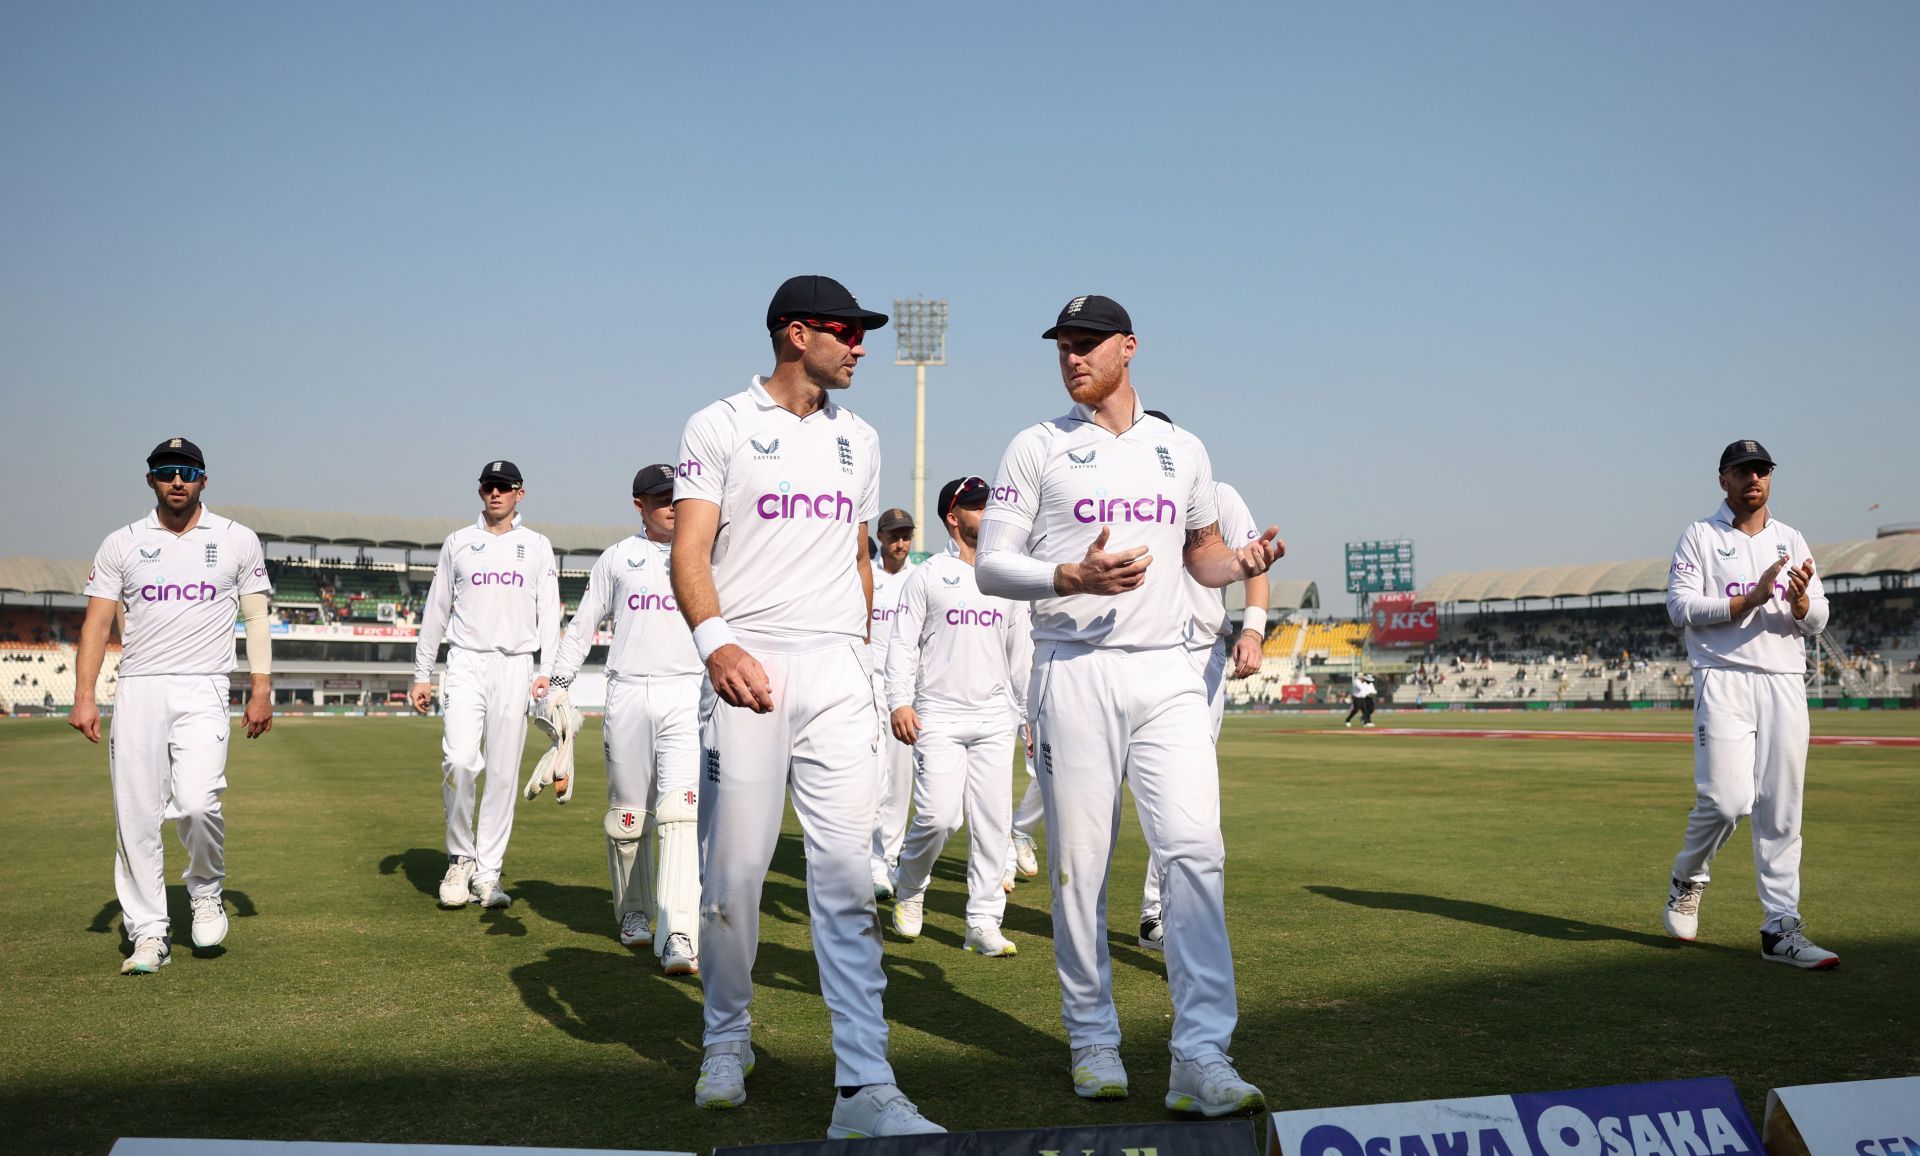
(1762, 592)
(1246, 654)
(1259, 555)
(1101, 572)
(1798, 577)
(739, 679)
(85, 718)
(421, 696)
(906, 725)
(258, 716)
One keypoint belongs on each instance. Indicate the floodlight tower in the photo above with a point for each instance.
(919, 340)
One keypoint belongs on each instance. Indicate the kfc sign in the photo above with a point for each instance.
(1400, 621)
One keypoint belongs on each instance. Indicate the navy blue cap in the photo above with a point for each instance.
(176, 452)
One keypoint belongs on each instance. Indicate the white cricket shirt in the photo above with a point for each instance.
(1237, 528)
(631, 582)
(1713, 562)
(956, 650)
(491, 591)
(1064, 479)
(793, 494)
(181, 591)
(1363, 686)
(886, 601)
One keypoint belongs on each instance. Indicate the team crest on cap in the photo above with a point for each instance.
(173, 443)
(1074, 306)
(494, 468)
(1750, 447)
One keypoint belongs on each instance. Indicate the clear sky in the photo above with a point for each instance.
(1500, 277)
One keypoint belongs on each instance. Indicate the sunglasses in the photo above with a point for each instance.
(850, 332)
(962, 492)
(499, 487)
(177, 473)
(1757, 469)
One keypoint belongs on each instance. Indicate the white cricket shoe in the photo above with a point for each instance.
(489, 893)
(1792, 947)
(1024, 856)
(209, 920)
(149, 955)
(634, 931)
(1682, 915)
(882, 883)
(909, 915)
(986, 939)
(1098, 1073)
(723, 1076)
(1153, 934)
(456, 883)
(1211, 1087)
(1363, 726)
(679, 958)
(878, 1110)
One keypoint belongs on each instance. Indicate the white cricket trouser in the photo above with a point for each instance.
(1749, 758)
(893, 766)
(167, 757)
(817, 743)
(652, 738)
(963, 772)
(1212, 665)
(483, 696)
(1101, 716)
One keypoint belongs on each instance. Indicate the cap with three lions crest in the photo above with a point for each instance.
(501, 471)
(1741, 452)
(1093, 313)
(176, 452)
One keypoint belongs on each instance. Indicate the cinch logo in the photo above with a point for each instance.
(1158, 508)
(961, 616)
(1683, 566)
(885, 613)
(687, 469)
(646, 601)
(836, 507)
(1748, 587)
(1006, 494)
(497, 578)
(174, 592)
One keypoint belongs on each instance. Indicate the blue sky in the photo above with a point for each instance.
(1499, 277)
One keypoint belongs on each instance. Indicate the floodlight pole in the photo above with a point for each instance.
(920, 457)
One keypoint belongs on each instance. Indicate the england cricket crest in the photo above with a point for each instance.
(213, 554)
(520, 552)
(846, 455)
(1166, 460)
(712, 758)
(1781, 549)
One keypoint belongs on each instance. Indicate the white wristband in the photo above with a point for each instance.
(711, 635)
(1256, 620)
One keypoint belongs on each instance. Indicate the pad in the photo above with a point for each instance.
(630, 860)
(679, 829)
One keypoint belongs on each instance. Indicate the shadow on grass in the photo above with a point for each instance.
(423, 867)
(1502, 918)
(179, 917)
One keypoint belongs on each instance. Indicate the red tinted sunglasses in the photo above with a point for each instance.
(974, 484)
(850, 332)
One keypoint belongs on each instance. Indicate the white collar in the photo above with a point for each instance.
(480, 523)
(1085, 412)
(757, 390)
(1724, 515)
(153, 520)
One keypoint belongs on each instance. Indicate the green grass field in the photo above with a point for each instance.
(1412, 917)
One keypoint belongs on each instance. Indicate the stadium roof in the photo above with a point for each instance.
(1863, 558)
(43, 576)
(399, 532)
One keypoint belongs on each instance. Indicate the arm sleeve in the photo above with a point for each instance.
(1202, 508)
(903, 652)
(433, 616)
(253, 611)
(1687, 601)
(1019, 655)
(577, 642)
(870, 492)
(253, 568)
(1818, 611)
(1237, 524)
(702, 472)
(547, 615)
(1003, 566)
(104, 580)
